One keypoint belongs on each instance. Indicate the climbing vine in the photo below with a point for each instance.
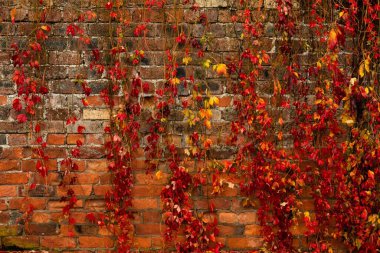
(312, 130)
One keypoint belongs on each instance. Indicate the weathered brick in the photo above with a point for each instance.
(12, 230)
(98, 114)
(21, 242)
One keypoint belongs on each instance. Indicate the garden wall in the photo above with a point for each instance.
(31, 204)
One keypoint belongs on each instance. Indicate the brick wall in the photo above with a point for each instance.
(239, 229)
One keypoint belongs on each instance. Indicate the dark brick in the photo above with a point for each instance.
(3, 139)
(42, 191)
(86, 229)
(6, 87)
(4, 112)
(42, 229)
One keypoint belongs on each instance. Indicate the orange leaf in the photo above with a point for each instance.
(13, 15)
(333, 40)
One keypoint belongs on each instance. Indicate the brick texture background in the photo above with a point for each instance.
(239, 229)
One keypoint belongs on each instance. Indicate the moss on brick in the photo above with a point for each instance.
(20, 243)
(9, 230)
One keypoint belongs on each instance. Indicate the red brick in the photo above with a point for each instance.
(151, 179)
(86, 178)
(252, 230)
(3, 100)
(73, 138)
(146, 190)
(95, 204)
(55, 242)
(56, 139)
(101, 190)
(41, 217)
(142, 242)
(8, 191)
(17, 139)
(58, 205)
(95, 242)
(53, 152)
(3, 205)
(97, 166)
(95, 101)
(9, 165)
(152, 216)
(138, 165)
(227, 230)
(228, 218)
(4, 217)
(79, 190)
(247, 218)
(94, 139)
(243, 243)
(14, 153)
(30, 165)
(225, 101)
(146, 203)
(14, 178)
(42, 229)
(298, 229)
(22, 203)
(148, 229)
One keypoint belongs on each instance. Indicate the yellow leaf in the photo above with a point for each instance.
(186, 60)
(280, 121)
(206, 63)
(361, 70)
(221, 69)
(175, 81)
(214, 100)
(367, 63)
(348, 120)
(45, 28)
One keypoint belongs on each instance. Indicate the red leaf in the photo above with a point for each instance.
(212, 207)
(21, 118)
(91, 217)
(17, 104)
(81, 129)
